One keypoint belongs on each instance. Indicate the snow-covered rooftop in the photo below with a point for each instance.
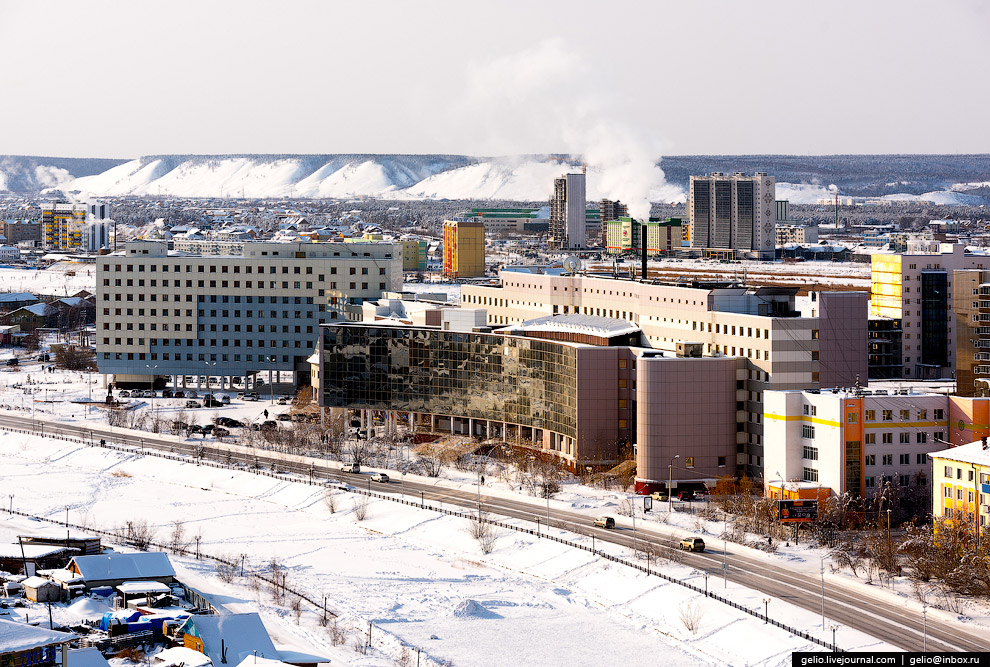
(16, 637)
(593, 324)
(124, 566)
(973, 452)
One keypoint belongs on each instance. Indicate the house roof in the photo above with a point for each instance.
(124, 566)
(87, 657)
(16, 637)
(37, 582)
(17, 296)
(970, 453)
(35, 309)
(242, 635)
(33, 551)
(180, 656)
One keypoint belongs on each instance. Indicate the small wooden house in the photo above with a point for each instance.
(39, 589)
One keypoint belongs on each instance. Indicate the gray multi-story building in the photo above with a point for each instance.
(568, 219)
(17, 231)
(733, 214)
(162, 313)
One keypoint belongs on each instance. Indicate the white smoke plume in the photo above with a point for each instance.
(542, 100)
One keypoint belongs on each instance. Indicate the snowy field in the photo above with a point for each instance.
(60, 279)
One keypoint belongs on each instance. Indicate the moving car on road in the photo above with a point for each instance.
(693, 544)
(605, 522)
(380, 477)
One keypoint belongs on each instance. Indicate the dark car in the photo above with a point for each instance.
(228, 422)
(13, 362)
(167, 393)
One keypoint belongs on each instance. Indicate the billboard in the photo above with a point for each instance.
(797, 511)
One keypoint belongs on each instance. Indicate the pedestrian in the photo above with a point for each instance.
(266, 413)
(482, 480)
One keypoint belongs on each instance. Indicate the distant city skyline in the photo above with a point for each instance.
(105, 79)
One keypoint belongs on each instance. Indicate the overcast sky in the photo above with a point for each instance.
(124, 79)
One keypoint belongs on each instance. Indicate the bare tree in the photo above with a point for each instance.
(360, 507)
(330, 500)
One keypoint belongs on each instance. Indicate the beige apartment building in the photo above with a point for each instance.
(781, 349)
(162, 313)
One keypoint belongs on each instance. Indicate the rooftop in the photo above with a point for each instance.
(589, 324)
(975, 452)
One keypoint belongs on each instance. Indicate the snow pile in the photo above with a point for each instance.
(473, 609)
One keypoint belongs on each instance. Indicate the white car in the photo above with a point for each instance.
(380, 477)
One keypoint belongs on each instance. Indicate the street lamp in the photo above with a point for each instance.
(670, 483)
(766, 611)
(834, 628)
(924, 620)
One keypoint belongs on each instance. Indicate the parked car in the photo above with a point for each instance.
(250, 396)
(240, 395)
(352, 467)
(193, 404)
(693, 544)
(268, 425)
(283, 400)
(380, 477)
(13, 361)
(660, 496)
(224, 399)
(220, 432)
(228, 422)
(191, 393)
(124, 394)
(179, 394)
(44, 356)
(685, 495)
(212, 403)
(605, 522)
(167, 393)
(699, 495)
(284, 417)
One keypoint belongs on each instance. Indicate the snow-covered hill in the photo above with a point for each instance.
(801, 179)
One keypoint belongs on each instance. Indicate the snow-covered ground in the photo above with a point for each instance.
(60, 279)
(417, 575)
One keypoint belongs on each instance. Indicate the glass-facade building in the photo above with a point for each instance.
(482, 384)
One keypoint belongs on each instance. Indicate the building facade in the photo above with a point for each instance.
(171, 314)
(568, 217)
(852, 440)
(463, 249)
(735, 213)
(971, 317)
(62, 225)
(18, 231)
(780, 348)
(916, 288)
(625, 235)
(610, 210)
(961, 484)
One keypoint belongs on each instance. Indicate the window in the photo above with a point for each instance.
(921, 438)
(689, 462)
(814, 334)
(869, 482)
(922, 414)
(623, 423)
(871, 459)
(921, 458)
(905, 438)
(905, 459)
(888, 415)
(721, 462)
(623, 403)
(852, 418)
(871, 415)
(807, 431)
(905, 415)
(888, 438)
(888, 459)
(871, 438)
(939, 413)
(809, 475)
(623, 363)
(811, 453)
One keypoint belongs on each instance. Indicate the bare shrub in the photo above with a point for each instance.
(626, 507)
(278, 579)
(405, 658)
(485, 533)
(337, 634)
(330, 500)
(359, 645)
(177, 540)
(360, 508)
(226, 568)
(691, 615)
(131, 654)
(139, 534)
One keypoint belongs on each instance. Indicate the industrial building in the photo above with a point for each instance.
(733, 215)
(161, 313)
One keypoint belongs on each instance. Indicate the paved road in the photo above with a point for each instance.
(847, 608)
